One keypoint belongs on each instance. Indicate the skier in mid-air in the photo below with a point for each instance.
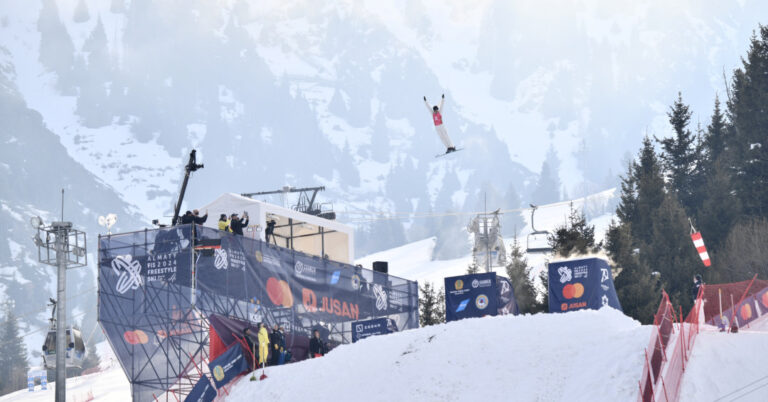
(437, 118)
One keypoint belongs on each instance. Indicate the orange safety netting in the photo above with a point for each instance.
(728, 294)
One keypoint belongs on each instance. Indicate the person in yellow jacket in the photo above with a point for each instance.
(263, 344)
(224, 223)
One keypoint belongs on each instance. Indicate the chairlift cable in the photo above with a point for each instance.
(383, 216)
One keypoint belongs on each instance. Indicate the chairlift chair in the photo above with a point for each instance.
(535, 237)
(75, 353)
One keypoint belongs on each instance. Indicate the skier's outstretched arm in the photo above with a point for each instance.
(429, 108)
(442, 101)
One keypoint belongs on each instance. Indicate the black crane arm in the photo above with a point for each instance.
(191, 167)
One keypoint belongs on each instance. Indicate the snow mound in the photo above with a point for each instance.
(584, 355)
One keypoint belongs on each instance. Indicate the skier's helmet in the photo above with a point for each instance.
(434, 108)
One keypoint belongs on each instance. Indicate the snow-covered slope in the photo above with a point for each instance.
(581, 356)
(728, 366)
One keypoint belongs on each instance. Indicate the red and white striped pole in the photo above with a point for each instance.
(698, 242)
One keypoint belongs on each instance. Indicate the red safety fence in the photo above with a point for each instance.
(724, 296)
(664, 367)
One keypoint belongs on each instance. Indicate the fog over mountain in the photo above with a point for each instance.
(106, 98)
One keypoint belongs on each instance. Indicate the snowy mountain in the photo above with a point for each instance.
(34, 168)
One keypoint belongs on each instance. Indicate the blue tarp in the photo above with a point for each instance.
(581, 284)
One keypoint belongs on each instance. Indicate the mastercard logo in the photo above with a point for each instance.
(135, 337)
(746, 312)
(573, 290)
(764, 299)
(279, 292)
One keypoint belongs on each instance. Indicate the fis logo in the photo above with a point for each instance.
(381, 297)
(220, 259)
(462, 305)
(129, 273)
(335, 277)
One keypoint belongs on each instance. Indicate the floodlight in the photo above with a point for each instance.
(78, 251)
(35, 222)
(38, 241)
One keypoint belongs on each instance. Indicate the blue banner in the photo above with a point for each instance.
(228, 366)
(377, 326)
(581, 284)
(202, 392)
(468, 296)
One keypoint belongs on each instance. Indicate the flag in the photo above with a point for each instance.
(698, 242)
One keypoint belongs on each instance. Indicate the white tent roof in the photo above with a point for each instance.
(260, 212)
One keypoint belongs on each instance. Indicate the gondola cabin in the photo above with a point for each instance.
(75, 349)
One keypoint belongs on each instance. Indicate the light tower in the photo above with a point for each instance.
(60, 245)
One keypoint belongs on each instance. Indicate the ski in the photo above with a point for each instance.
(448, 153)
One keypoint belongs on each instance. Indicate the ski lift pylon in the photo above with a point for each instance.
(536, 235)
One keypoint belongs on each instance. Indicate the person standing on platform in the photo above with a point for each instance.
(236, 224)
(224, 223)
(263, 344)
(274, 343)
(316, 346)
(199, 220)
(285, 355)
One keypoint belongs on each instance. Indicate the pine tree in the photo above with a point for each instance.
(81, 12)
(681, 156)
(649, 185)
(548, 187)
(519, 273)
(57, 53)
(431, 305)
(746, 108)
(715, 137)
(92, 102)
(472, 269)
(576, 236)
(13, 354)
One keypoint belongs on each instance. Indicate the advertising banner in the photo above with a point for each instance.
(762, 301)
(228, 366)
(747, 311)
(470, 296)
(203, 391)
(507, 303)
(581, 284)
(377, 326)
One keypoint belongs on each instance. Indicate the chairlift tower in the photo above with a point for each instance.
(62, 246)
(489, 250)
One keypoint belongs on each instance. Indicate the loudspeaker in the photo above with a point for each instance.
(381, 266)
